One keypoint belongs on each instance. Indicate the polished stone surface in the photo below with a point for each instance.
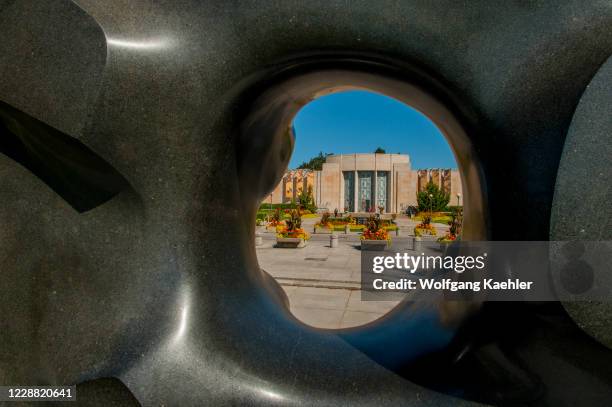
(164, 292)
(581, 209)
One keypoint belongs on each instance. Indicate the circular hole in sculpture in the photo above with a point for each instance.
(362, 151)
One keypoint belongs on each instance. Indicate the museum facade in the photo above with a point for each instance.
(365, 183)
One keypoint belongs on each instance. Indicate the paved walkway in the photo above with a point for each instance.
(323, 283)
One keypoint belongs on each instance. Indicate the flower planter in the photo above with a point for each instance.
(425, 232)
(373, 245)
(290, 242)
(424, 241)
(429, 238)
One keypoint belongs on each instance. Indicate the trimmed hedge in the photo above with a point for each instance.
(263, 215)
(272, 207)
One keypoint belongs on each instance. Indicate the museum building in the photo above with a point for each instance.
(365, 183)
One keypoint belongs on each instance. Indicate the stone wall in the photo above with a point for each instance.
(403, 187)
(328, 187)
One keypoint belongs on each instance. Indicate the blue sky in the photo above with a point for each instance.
(360, 121)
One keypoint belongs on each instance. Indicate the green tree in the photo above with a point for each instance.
(380, 150)
(306, 200)
(432, 198)
(315, 163)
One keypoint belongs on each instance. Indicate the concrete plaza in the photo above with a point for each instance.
(323, 283)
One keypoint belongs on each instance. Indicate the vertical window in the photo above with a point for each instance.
(365, 190)
(382, 188)
(349, 191)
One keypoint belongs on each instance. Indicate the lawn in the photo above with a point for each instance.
(443, 219)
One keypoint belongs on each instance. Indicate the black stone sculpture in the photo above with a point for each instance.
(133, 273)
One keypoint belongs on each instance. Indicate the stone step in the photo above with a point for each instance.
(318, 283)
